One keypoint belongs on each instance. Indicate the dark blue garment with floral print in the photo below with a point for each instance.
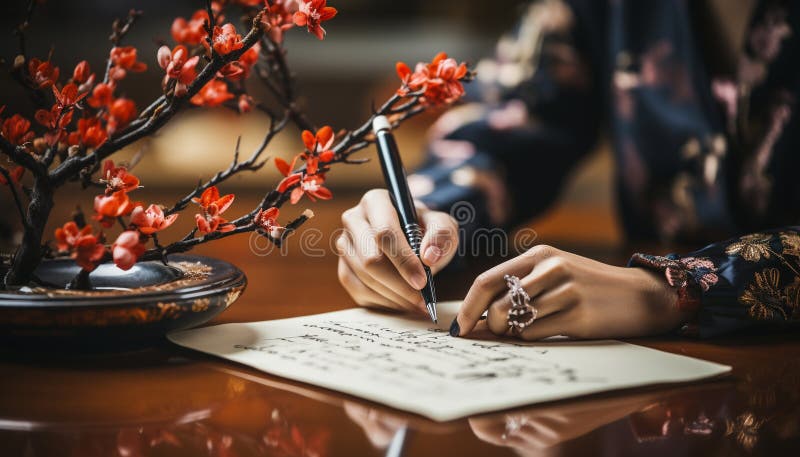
(700, 99)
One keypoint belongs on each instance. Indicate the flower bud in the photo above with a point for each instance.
(164, 56)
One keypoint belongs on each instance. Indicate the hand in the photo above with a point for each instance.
(379, 427)
(377, 267)
(575, 297)
(540, 428)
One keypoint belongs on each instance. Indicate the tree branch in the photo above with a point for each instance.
(20, 156)
(160, 115)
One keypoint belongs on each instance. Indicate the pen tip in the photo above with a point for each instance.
(432, 312)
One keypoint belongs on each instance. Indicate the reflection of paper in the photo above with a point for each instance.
(415, 366)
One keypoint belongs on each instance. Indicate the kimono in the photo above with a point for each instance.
(701, 110)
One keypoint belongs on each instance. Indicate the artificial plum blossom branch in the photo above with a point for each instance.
(109, 123)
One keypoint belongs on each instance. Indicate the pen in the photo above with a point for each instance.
(397, 185)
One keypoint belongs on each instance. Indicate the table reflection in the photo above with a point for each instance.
(171, 402)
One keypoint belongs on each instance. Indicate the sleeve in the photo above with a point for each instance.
(750, 281)
(535, 112)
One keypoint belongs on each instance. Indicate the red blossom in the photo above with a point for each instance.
(225, 39)
(214, 93)
(248, 2)
(439, 79)
(102, 95)
(117, 178)
(320, 144)
(312, 14)
(179, 66)
(109, 207)
(318, 149)
(121, 112)
(56, 121)
(82, 72)
(212, 205)
(90, 133)
(245, 103)
(151, 220)
(15, 174)
(127, 249)
(68, 96)
(240, 69)
(16, 129)
(308, 181)
(267, 220)
(43, 73)
(191, 32)
(311, 185)
(83, 76)
(278, 19)
(82, 245)
(124, 60)
(53, 118)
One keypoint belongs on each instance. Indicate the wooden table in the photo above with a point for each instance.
(172, 402)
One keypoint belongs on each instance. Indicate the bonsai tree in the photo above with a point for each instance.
(82, 120)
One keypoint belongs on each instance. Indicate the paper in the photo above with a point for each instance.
(415, 366)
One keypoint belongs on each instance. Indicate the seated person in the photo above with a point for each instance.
(700, 100)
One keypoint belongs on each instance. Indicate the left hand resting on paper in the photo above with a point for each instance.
(575, 296)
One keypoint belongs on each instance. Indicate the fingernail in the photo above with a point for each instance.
(454, 328)
(432, 255)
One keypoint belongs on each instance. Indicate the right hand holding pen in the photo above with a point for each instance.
(377, 266)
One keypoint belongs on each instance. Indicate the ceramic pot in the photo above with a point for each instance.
(124, 307)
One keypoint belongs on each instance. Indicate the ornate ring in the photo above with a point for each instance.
(522, 313)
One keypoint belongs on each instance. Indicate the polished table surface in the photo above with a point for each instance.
(167, 401)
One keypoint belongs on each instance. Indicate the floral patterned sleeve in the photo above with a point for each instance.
(744, 282)
(535, 105)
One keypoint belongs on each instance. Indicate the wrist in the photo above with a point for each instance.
(672, 306)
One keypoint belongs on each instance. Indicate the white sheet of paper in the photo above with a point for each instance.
(416, 366)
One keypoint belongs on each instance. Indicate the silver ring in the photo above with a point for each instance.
(522, 313)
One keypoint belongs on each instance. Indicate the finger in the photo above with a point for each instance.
(366, 257)
(440, 241)
(361, 294)
(390, 237)
(489, 429)
(490, 283)
(353, 267)
(561, 323)
(549, 291)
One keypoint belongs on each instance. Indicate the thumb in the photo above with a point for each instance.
(440, 242)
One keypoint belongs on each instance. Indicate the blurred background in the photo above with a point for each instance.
(338, 79)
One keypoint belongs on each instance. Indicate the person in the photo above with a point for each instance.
(699, 98)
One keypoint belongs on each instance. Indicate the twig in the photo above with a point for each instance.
(251, 164)
(119, 29)
(286, 96)
(20, 30)
(187, 244)
(290, 228)
(19, 70)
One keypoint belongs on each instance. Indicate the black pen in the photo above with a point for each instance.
(397, 185)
